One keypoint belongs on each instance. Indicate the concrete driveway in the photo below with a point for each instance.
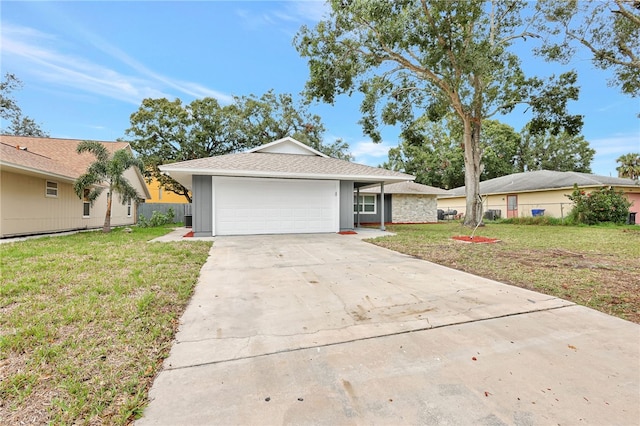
(328, 329)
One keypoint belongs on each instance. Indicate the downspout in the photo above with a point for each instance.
(382, 228)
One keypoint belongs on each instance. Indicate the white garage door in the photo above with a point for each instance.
(274, 206)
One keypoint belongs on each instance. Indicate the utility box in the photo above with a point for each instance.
(492, 214)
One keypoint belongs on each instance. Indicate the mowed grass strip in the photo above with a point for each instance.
(86, 320)
(598, 266)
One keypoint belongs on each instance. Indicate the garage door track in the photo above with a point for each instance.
(328, 329)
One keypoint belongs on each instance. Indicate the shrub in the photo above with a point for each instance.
(537, 220)
(602, 205)
(157, 219)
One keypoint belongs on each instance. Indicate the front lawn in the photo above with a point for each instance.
(595, 266)
(86, 320)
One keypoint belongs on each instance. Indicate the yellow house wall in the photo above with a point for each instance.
(554, 202)
(25, 208)
(161, 195)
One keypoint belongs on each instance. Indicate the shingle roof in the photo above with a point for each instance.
(49, 155)
(406, 188)
(541, 180)
(272, 164)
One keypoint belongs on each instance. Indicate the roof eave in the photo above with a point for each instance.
(184, 173)
(33, 171)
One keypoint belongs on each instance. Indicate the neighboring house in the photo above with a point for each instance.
(161, 195)
(540, 192)
(405, 202)
(36, 187)
(277, 188)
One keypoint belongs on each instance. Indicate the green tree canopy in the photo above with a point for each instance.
(562, 152)
(428, 59)
(106, 172)
(164, 131)
(432, 152)
(19, 124)
(608, 29)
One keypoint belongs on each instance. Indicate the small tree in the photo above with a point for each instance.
(629, 166)
(19, 124)
(602, 205)
(106, 172)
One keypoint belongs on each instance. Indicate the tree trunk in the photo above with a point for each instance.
(472, 156)
(107, 217)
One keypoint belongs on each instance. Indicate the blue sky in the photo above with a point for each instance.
(86, 66)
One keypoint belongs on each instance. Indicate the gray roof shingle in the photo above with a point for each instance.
(263, 164)
(406, 188)
(541, 180)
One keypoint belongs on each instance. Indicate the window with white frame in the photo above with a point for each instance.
(367, 204)
(86, 204)
(51, 189)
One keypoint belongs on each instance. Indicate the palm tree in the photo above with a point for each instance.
(106, 172)
(629, 166)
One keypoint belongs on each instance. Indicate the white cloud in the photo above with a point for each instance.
(23, 44)
(295, 12)
(371, 149)
(617, 144)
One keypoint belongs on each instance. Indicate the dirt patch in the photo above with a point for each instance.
(601, 281)
(475, 239)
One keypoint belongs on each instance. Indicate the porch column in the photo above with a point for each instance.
(382, 228)
(358, 207)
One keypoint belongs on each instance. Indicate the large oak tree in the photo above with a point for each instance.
(164, 131)
(428, 59)
(608, 29)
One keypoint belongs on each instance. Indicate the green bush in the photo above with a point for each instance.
(537, 220)
(602, 205)
(157, 219)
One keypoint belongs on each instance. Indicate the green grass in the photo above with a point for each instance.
(86, 320)
(596, 266)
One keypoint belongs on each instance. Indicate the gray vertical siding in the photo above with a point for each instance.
(375, 218)
(202, 206)
(346, 205)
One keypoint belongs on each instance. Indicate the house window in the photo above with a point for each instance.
(367, 204)
(129, 208)
(51, 189)
(86, 204)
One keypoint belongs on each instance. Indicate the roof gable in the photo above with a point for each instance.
(287, 146)
(268, 162)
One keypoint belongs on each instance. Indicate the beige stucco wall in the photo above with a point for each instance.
(409, 208)
(554, 202)
(25, 209)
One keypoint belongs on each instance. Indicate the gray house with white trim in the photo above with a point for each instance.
(281, 187)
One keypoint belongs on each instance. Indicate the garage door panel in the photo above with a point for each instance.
(274, 206)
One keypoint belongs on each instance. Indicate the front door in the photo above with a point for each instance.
(512, 206)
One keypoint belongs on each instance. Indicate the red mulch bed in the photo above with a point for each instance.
(188, 234)
(347, 232)
(475, 239)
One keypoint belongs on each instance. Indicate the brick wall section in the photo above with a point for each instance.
(409, 208)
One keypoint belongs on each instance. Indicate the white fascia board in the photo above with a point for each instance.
(287, 175)
(32, 171)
